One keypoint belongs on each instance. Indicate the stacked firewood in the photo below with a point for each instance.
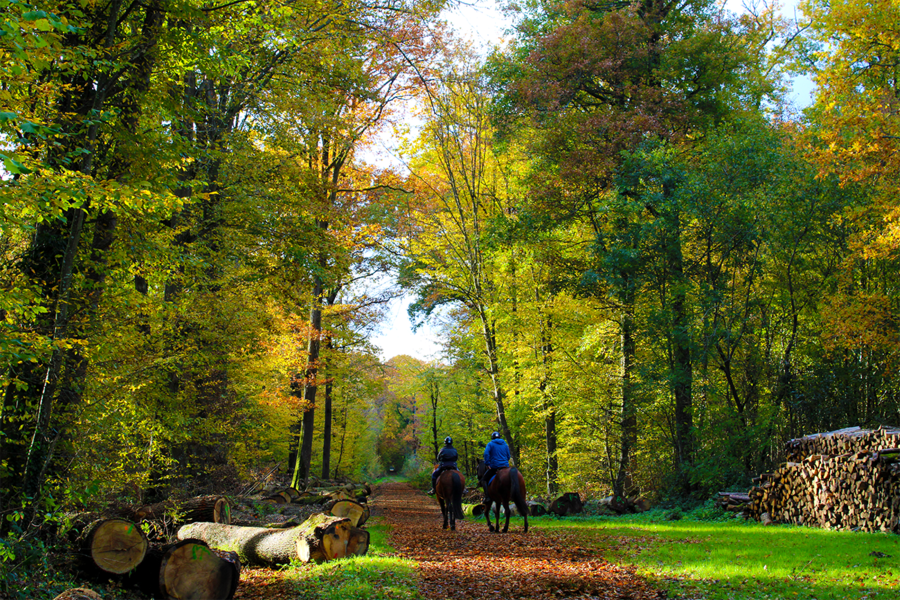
(736, 502)
(847, 479)
(842, 441)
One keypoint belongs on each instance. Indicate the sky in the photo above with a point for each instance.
(481, 22)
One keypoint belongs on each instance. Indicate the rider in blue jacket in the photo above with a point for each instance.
(496, 456)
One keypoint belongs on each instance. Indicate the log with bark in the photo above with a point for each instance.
(113, 546)
(357, 512)
(187, 569)
(190, 569)
(321, 537)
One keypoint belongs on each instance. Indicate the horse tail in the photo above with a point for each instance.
(516, 493)
(457, 496)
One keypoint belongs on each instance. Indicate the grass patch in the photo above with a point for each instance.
(379, 575)
(739, 560)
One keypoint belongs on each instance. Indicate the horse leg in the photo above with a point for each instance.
(506, 526)
(487, 514)
(497, 516)
(443, 510)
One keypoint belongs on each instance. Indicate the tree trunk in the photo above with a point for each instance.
(304, 457)
(623, 482)
(552, 472)
(682, 367)
(490, 341)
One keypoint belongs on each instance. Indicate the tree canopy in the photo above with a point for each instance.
(648, 269)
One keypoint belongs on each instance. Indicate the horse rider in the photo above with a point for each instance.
(446, 460)
(496, 456)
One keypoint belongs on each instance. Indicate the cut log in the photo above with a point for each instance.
(473, 510)
(321, 537)
(114, 546)
(189, 569)
(567, 504)
(278, 498)
(356, 512)
(79, 594)
(253, 545)
(536, 509)
(358, 544)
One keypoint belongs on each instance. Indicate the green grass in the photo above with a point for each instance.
(738, 560)
(378, 575)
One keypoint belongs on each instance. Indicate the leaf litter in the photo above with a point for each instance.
(474, 563)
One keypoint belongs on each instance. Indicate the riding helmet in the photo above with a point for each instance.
(448, 441)
(495, 435)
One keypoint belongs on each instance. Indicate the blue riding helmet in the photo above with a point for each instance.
(448, 441)
(495, 435)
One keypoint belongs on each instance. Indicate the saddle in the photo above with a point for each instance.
(496, 472)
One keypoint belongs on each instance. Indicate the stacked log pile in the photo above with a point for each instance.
(847, 479)
(736, 502)
(842, 441)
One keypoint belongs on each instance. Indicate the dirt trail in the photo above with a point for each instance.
(473, 563)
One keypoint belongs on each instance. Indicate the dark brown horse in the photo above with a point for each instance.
(449, 489)
(507, 484)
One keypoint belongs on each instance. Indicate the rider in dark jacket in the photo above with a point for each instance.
(496, 456)
(446, 460)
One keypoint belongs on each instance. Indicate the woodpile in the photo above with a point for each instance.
(843, 441)
(847, 479)
(735, 502)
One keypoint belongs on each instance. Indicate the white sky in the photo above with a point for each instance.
(483, 24)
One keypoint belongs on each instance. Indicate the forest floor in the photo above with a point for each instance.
(473, 563)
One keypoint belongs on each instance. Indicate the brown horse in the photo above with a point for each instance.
(507, 484)
(449, 489)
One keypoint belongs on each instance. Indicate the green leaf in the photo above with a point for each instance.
(14, 166)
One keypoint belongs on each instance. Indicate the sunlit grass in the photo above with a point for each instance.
(737, 560)
(379, 575)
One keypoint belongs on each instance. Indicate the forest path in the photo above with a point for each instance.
(473, 563)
